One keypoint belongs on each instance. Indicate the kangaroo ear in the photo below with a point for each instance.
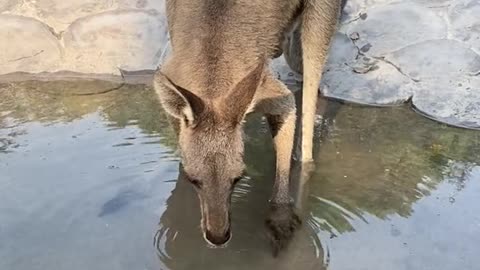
(238, 100)
(177, 101)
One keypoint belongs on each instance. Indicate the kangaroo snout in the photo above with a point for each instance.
(218, 239)
(217, 226)
(209, 84)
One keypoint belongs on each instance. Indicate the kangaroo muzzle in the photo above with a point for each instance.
(218, 240)
(217, 225)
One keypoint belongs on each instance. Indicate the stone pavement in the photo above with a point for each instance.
(387, 52)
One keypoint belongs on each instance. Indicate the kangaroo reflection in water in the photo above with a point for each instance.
(180, 246)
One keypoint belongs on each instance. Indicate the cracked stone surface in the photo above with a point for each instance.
(60, 13)
(386, 52)
(384, 33)
(465, 23)
(134, 46)
(142, 4)
(40, 50)
(7, 4)
(371, 83)
(452, 101)
(389, 52)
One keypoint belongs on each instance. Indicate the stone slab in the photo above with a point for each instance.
(59, 14)
(158, 5)
(6, 5)
(465, 22)
(451, 101)
(436, 59)
(122, 39)
(388, 28)
(27, 45)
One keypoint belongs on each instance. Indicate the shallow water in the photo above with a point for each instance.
(89, 179)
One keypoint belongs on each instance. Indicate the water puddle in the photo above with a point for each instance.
(89, 179)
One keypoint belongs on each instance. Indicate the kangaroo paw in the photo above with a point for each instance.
(282, 222)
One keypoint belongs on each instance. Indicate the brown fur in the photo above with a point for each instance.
(218, 72)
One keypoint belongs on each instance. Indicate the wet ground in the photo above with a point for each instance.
(89, 179)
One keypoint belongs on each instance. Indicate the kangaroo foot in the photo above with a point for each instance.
(282, 222)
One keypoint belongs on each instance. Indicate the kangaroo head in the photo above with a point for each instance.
(211, 145)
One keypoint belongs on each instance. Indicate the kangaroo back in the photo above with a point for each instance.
(217, 73)
(216, 43)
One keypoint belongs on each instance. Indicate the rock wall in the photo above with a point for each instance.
(86, 36)
(422, 52)
(386, 52)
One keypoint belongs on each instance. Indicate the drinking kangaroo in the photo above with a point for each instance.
(218, 72)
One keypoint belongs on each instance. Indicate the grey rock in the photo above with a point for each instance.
(342, 53)
(391, 27)
(39, 51)
(353, 77)
(367, 82)
(284, 73)
(123, 39)
(455, 101)
(386, 52)
(433, 3)
(358, 5)
(465, 22)
(7, 4)
(158, 5)
(436, 59)
(60, 13)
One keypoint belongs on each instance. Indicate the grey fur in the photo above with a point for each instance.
(218, 72)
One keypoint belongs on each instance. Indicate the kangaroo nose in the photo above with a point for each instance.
(218, 239)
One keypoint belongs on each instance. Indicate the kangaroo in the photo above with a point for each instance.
(218, 72)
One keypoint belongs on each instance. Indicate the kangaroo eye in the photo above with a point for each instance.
(195, 182)
(235, 181)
